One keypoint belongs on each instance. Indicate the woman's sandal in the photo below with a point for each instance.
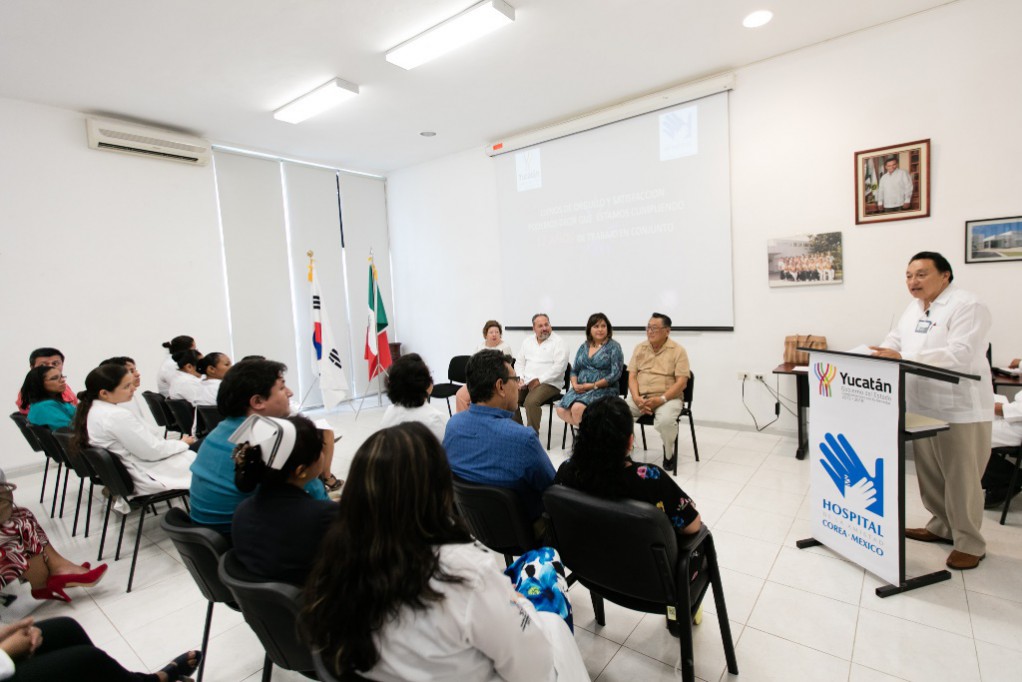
(180, 668)
(332, 483)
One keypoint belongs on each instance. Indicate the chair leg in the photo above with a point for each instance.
(106, 522)
(56, 490)
(642, 429)
(42, 488)
(449, 413)
(508, 560)
(549, 425)
(683, 624)
(187, 506)
(205, 639)
(598, 612)
(134, 556)
(267, 668)
(88, 516)
(78, 506)
(720, 605)
(120, 537)
(63, 494)
(1011, 486)
(564, 435)
(692, 427)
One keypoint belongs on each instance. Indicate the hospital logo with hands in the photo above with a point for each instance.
(859, 489)
(825, 373)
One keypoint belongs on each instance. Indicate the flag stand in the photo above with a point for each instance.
(379, 393)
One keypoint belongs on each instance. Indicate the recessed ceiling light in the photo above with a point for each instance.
(758, 18)
(427, 133)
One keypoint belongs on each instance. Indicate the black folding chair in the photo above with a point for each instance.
(686, 411)
(456, 378)
(184, 414)
(83, 471)
(496, 518)
(53, 451)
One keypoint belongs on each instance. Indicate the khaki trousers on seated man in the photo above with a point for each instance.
(657, 375)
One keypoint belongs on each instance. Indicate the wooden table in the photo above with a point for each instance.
(802, 403)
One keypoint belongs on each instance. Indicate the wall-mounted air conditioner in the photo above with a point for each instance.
(131, 138)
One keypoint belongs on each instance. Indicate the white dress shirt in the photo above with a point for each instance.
(167, 371)
(155, 464)
(1007, 429)
(895, 189)
(482, 630)
(544, 361)
(952, 336)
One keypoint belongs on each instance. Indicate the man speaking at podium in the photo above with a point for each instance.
(947, 327)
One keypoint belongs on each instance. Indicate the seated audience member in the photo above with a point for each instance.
(484, 445)
(138, 405)
(59, 649)
(541, 364)
(657, 375)
(600, 465)
(493, 337)
(169, 366)
(48, 357)
(277, 531)
(27, 555)
(187, 383)
(251, 387)
(408, 387)
(595, 372)
(212, 367)
(42, 395)
(1006, 432)
(155, 464)
(401, 592)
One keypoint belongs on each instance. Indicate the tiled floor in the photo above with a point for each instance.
(795, 614)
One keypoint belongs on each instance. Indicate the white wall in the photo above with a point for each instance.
(949, 75)
(100, 254)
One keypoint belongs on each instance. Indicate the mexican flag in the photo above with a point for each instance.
(377, 347)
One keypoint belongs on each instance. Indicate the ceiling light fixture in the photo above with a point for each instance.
(758, 18)
(316, 102)
(461, 29)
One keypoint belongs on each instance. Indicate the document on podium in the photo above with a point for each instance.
(917, 423)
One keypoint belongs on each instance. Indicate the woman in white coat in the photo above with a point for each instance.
(947, 327)
(155, 464)
(168, 369)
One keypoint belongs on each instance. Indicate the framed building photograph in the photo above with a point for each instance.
(994, 240)
(892, 183)
(805, 260)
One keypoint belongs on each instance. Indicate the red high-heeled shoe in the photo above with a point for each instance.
(87, 579)
(47, 593)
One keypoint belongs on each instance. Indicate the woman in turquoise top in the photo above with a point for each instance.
(42, 394)
(596, 370)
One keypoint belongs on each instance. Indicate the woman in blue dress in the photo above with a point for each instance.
(596, 370)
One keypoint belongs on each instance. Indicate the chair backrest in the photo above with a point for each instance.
(51, 447)
(110, 470)
(271, 610)
(567, 378)
(200, 549)
(22, 422)
(622, 383)
(623, 546)
(495, 516)
(456, 370)
(158, 406)
(209, 416)
(686, 397)
(184, 413)
(73, 458)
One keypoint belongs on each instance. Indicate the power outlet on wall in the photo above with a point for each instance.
(742, 376)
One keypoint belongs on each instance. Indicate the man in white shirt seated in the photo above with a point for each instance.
(187, 383)
(1006, 432)
(541, 365)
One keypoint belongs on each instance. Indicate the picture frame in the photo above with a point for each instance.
(892, 183)
(805, 260)
(994, 240)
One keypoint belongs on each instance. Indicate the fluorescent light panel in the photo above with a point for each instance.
(316, 102)
(461, 29)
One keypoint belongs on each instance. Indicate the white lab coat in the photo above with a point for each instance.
(185, 386)
(1007, 430)
(155, 464)
(163, 378)
(953, 336)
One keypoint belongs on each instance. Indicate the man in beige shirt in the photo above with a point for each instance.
(657, 375)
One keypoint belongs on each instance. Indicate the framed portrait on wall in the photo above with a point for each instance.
(892, 183)
(805, 260)
(995, 240)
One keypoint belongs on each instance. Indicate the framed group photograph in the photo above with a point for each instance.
(805, 260)
(892, 183)
(995, 240)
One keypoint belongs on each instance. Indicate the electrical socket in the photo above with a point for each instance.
(759, 377)
(742, 376)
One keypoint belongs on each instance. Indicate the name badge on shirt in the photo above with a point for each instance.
(923, 326)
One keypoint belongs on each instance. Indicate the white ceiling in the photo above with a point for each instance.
(218, 68)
